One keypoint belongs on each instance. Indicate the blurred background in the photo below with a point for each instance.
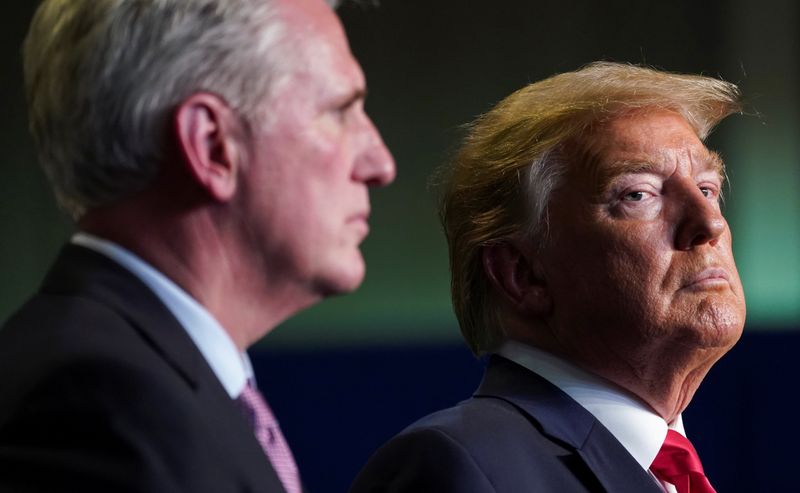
(350, 372)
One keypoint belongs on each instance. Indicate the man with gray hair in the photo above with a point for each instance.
(590, 258)
(216, 157)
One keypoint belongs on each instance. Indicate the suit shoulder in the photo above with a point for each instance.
(50, 329)
(63, 318)
(480, 445)
(422, 459)
(471, 421)
(87, 401)
(72, 341)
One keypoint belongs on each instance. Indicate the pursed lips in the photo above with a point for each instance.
(359, 216)
(709, 278)
(361, 220)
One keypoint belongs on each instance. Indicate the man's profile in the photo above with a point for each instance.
(216, 158)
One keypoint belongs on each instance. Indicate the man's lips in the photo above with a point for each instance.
(361, 220)
(710, 278)
(359, 217)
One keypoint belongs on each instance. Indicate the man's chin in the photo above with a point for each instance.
(344, 279)
(723, 321)
(721, 334)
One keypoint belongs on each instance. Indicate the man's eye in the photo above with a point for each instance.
(634, 196)
(708, 192)
(342, 111)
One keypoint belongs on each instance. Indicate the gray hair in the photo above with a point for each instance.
(499, 185)
(102, 78)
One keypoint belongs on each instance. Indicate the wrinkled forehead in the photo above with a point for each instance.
(641, 141)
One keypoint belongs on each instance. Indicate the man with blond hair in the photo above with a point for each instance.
(591, 260)
(216, 157)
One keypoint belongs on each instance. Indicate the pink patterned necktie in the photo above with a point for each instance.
(677, 463)
(270, 437)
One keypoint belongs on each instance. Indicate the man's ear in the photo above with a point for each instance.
(515, 275)
(209, 136)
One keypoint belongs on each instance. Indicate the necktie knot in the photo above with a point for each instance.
(678, 463)
(268, 433)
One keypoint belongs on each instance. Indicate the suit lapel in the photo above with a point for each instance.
(83, 272)
(233, 434)
(564, 420)
(614, 467)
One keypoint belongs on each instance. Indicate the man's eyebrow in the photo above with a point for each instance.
(606, 174)
(625, 166)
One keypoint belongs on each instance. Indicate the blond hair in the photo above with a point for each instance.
(513, 157)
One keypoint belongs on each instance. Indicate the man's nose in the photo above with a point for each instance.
(701, 220)
(375, 165)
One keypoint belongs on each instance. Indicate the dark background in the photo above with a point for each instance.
(347, 374)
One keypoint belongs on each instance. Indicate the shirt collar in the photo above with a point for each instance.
(232, 367)
(640, 430)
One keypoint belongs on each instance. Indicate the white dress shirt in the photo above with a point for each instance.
(637, 427)
(231, 366)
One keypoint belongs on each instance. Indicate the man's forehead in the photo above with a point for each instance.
(645, 142)
(321, 70)
(662, 160)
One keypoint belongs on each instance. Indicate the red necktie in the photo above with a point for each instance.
(270, 437)
(677, 463)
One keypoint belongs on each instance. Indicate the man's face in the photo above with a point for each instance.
(306, 185)
(639, 265)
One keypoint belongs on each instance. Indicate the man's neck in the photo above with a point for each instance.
(193, 252)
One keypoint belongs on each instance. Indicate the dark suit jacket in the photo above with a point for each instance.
(517, 434)
(102, 390)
